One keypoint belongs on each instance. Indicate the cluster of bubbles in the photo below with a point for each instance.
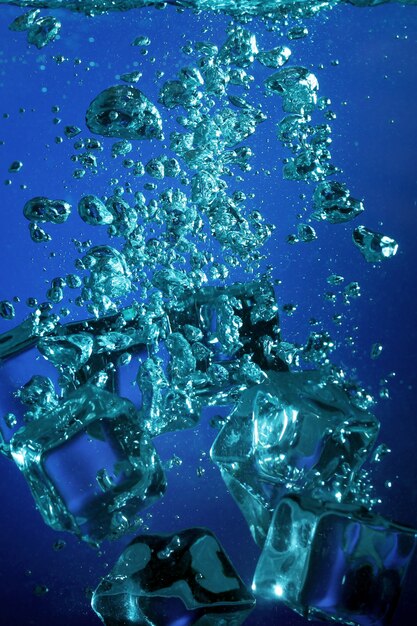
(171, 245)
(161, 289)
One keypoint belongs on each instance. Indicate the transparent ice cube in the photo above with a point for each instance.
(306, 431)
(292, 432)
(88, 464)
(254, 496)
(241, 319)
(221, 340)
(167, 580)
(334, 561)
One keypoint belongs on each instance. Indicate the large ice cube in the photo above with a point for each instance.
(88, 464)
(222, 339)
(334, 561)
(173, 580)
(293, 431)
(22, 393)
(233, 321)
(254, 496)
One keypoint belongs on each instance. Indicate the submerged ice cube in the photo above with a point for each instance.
(221, 339)
(233, 322)
(167, 580)
(333, 561)
(88, 464)
(293, 431)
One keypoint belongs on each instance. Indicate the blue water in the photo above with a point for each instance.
(373, 92)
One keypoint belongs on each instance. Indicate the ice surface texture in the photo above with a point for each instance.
(89, 466)
(291, 432)
(334, 561)
(162, 580)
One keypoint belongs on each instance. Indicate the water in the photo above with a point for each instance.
(367, 76)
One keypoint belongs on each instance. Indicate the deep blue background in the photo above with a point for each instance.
(373, 92)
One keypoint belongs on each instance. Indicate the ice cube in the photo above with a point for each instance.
(294, 431)
(238, 320)
(334, 561)
(254, 496)
(304, 429)
(221, 340)
(167, 580)
(88, 464)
